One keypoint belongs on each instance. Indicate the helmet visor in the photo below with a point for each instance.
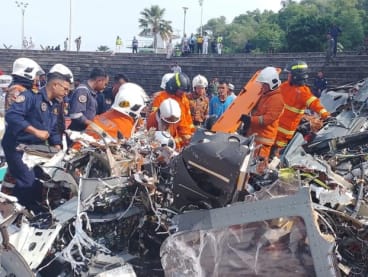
(171, 120)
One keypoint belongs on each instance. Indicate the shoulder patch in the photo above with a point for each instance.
(20, 98)
(43, 106)
(82, 98)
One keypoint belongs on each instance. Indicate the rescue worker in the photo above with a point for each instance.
(25, 72)
(83, 104)
(231, 92)
(176, 88)
(198, 100)
(124, 113)
(107, 97)
(297, 97)
(32, 119)
(263, 120)
(166, 118)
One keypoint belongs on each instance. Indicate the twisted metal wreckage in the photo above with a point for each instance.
(140, 209)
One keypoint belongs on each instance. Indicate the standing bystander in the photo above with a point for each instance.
(135, 45)
(66, 44)
(329, 50)
(199, 44)
(206, 40)
(335, 31)
(220, 102)
(118, 43)
(78, 42)
(219, 44)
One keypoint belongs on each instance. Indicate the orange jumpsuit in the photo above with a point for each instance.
(265, 121)
(297, 99)
(171, 128)
(185, 125)
(111, 122)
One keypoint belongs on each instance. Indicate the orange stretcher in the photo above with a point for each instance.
(248, 97)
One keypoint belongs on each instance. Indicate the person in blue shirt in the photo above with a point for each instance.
(222, 101)
(107, 97)
(32, 119)
(83, 104)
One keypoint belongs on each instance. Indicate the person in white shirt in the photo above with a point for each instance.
(206, 39)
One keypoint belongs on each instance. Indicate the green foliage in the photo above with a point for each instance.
(215, 25)
(103, 48)
(153, 24)
(269, 37)
(299, 26)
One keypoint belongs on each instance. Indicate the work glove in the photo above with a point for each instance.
(329, 120)
(246, 122)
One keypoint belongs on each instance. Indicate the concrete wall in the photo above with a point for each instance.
(147, 69)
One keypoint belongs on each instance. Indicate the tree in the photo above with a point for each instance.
(215, 25)
(269, 37)
(153, 24)
(103, 48)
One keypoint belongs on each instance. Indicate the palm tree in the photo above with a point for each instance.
(153, 24)
(103, 48)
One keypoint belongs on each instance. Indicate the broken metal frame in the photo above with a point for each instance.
(299, 205)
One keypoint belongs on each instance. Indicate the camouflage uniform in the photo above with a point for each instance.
(198, 108)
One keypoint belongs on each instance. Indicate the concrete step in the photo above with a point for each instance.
(147, 69)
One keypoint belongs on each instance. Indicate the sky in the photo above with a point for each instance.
(98, 22)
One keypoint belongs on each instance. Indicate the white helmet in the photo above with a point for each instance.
(60, 71)
(130, 100)
(165, 139)
(165, 79)
(170, 111)
(199, 81)
(26, 68)
(5, 81)
(270, 76)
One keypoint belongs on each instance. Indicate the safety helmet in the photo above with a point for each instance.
(60, 71)
(170, 111)
(165, 79)
(5, 81)
(298, 71)
(180, 81)
(199, 81)
(270, 76)
(130, 100)
(165, 139)
(26, 68)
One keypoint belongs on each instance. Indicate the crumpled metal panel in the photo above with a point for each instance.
(295, 156)
(243, 230)
(13, 264)
(34, 243)
(334, 99)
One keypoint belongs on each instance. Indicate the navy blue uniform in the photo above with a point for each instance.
(320, 84)
(82, 107)
(29, 109)
(105, 100)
